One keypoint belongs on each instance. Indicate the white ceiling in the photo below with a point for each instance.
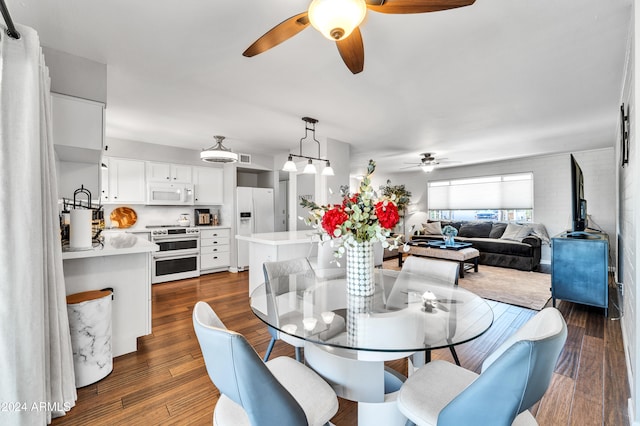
(496, 80)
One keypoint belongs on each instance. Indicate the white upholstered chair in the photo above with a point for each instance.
(279, 392)
(442, 270)
(378, 254)
(275, 286)
(513, 378)
(327, 265)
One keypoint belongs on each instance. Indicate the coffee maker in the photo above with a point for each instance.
(203, 217)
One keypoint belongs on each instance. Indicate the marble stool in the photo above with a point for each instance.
(90, 326)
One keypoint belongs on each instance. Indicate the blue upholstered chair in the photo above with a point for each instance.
(280, 392)
(513, 378)
(275, 287)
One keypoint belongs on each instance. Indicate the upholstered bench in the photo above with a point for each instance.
(464, 256)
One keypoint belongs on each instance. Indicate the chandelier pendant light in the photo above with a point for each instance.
(310, 168)
(336, 19)
(218, 153)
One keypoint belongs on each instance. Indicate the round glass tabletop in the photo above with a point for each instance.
(407, 313)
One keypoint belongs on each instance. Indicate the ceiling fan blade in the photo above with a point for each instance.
(352, 51)
(416, 6)
(276, 35)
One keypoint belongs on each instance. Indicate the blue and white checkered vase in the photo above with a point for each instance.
(360, 279)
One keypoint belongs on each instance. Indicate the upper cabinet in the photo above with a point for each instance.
(166, 172)
(208, 185)
(123, 181)
(78, 128)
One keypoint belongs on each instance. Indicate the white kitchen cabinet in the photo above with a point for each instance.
(208, 185)
(123, 181)
(78, 128)
(214, 249)
(167, 172)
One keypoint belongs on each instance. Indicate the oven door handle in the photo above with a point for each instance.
(171, 256)
(157, 240)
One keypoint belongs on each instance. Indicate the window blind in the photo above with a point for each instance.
(489, 192)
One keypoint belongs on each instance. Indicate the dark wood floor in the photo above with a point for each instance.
(165, 381)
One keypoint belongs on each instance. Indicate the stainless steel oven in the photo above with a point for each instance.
(179, 254)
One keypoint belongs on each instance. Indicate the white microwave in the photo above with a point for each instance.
(170, 194)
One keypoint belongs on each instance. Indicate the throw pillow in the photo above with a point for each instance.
(432, 228)
(516, 232)
(497, 229)
(539, 231)
(475, 230)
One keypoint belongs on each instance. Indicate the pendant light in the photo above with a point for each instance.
(218, 153)
(310, 168)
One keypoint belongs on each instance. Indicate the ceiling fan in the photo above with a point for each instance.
(428, 162)
(338, 20)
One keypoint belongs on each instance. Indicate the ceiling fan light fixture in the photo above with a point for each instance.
(427, 168)
(289, 166)
(336, 19)
(218, 153)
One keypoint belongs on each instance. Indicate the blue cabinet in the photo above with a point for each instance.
(580, 269)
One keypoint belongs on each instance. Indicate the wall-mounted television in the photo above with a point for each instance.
(578, 202)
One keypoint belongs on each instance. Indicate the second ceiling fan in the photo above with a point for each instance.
(339, 20)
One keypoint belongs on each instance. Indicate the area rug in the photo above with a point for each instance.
(521, 288)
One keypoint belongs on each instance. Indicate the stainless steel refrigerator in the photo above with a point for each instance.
(255, 214)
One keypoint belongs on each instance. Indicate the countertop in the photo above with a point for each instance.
(280, 238)
(140, 229)
(115, 243)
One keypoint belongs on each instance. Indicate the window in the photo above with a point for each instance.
(496, 198)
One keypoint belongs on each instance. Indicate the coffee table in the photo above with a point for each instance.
(463, 253)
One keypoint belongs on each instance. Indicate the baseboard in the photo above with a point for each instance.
(632, 421)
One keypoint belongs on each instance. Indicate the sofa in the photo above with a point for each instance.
(508, 245)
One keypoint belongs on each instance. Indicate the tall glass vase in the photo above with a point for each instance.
(360, 278)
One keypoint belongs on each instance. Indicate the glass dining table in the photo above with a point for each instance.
(347, 338)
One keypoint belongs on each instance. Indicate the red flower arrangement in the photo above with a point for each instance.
(333, 218)
(362, 216)
(387, 213)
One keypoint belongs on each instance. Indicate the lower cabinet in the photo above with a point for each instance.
(214, 250)
(580, 269)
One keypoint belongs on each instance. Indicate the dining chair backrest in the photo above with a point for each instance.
(238, 372)
(514, 377)
(273, 271)
(440, 269)
(326, 255)
(378, 254)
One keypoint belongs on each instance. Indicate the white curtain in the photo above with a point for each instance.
(36, 362)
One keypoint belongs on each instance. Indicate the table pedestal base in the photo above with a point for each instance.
(362, 377)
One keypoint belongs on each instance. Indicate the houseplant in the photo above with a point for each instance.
(361, 218)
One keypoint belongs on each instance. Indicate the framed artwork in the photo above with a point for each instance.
(624, 136)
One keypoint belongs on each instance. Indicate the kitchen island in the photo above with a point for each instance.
(122, 263)
(273, 246)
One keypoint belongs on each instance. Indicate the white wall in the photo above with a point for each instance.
(552, 188)
(72, 175)
(76, 76)
(628, 230)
